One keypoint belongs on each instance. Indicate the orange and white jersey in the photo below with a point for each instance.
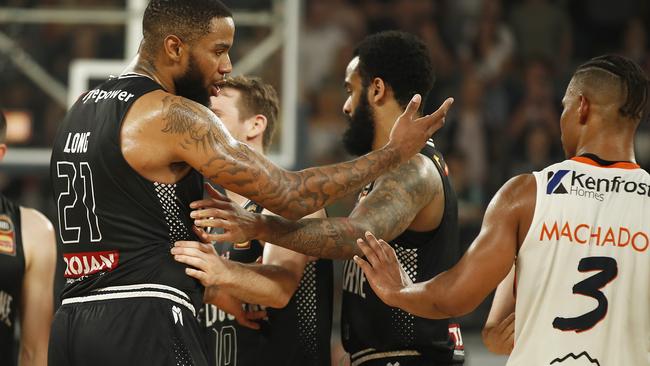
(583, 270)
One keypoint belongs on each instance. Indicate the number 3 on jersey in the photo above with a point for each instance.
(590, 287)
(68, 202)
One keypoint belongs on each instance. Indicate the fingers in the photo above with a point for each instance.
(413, 106)
(214, 223)
(256, 315)
(201, 234)
(206, 203)
(510, 343)
(226, 237)
(199, 275)
(389, 251)
(508, 322)
(368, 252)
(443, 109)
(366, 268)
(377, 246)
(192, 261)
(247, 323)
(437, 118)
(209, 213)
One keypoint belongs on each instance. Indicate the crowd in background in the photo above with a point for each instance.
(506, 62)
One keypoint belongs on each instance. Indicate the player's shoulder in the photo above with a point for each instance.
(34, 219)
(37, 235)
(518, 192)
(418, 169)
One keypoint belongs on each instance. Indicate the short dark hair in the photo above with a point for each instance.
(257, 97)
(400, 59)
(629, 74)
(188, 19)
(3, 128)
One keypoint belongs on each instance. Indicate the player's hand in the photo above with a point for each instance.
(219, 211)
(409, 134)
(382, 268)
(500, 339)
(206, 265)
(233, 306)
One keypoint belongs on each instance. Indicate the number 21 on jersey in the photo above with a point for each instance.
(71, 200)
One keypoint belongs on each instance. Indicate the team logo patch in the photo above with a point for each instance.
(7, 236)
(88, 263)
(555, 185)
(177, 314)
(582, 359)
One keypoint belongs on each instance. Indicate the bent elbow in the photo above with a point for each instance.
(455, 309)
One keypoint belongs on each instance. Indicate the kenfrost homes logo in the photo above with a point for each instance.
(581, 184)
(555, 185)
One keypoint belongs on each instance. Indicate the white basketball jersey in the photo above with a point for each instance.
(583, 270)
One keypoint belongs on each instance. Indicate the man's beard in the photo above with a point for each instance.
(190, 85)
(358, 138)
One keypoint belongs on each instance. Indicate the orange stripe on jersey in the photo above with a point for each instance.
(620, 164)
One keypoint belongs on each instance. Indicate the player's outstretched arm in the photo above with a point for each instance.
(499, 331)
(36, 304)
(270, 283)
(461, 289)
(388, 210)
(199, 138)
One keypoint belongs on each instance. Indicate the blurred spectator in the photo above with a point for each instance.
(470, 196)
(635, 43)
(537, 106)
(467, 128)
(542, 29)
(489, 48)
(539, 152)
(328, 27)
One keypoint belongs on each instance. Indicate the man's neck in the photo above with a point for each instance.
(384, 121)
(146, 66)
(614, 146)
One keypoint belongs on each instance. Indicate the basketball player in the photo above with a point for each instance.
(579, 227)
(298, 331)
(413, 205)
(27, 262)
(128, 159)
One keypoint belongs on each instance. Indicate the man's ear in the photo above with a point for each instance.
(377, 90)
(584, 108)
(174, 48)
(3, 151)
(255, 126)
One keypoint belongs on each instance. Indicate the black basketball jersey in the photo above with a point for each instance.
(299, 334)
(371, 327)
(116, 228)
(230, 344)
(12, 271)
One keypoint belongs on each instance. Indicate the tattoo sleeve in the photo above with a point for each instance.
(204, 143)
(387, 211)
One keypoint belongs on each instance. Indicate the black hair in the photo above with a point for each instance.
(400, 59)
(634, 82)
(188, 19)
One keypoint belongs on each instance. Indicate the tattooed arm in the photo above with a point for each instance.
(199, 138)
(389, 209)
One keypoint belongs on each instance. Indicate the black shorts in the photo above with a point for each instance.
(397, 358)
(143, 327)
